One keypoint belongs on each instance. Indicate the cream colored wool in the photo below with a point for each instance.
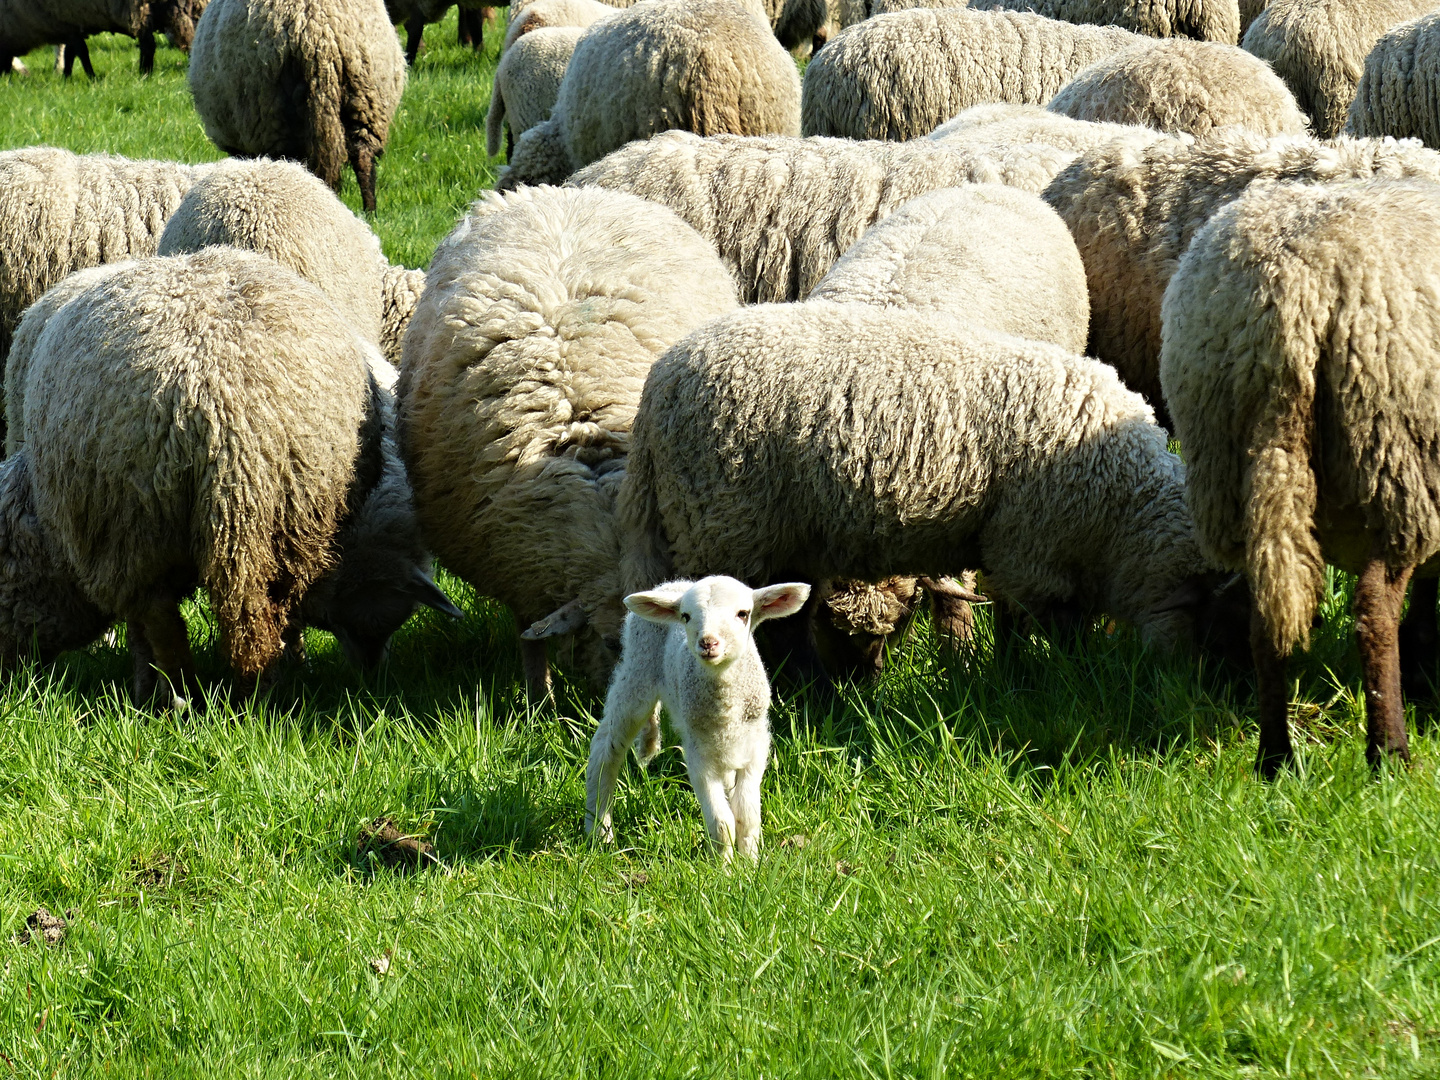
(1397, 94)
(316, 81)
(61, 212)
(1134, 209)
(997, 128)
(29, 24)
(794, 22)
(722, 73)
(1182, 86)
(824, 440)
(781, 210)
(901, 75)
(277, 208)
(400, 292)
(1301, 361)
(1206, 20)
(1319, 47)
(523, 367)
(527, 82)
(985, 255)
(543, 14)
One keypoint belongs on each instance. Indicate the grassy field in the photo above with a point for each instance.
(1055, 865)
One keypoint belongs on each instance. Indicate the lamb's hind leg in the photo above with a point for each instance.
(1379, 595)
(362, 160)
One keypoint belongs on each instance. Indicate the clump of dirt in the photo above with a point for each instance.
(44, 927)
(381, 842)
(156, 871)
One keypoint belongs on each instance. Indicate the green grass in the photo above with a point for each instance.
(1054, 865)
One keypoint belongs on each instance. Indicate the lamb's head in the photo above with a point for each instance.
(41, 608)
(718, 614)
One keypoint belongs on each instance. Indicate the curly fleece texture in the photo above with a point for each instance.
(1399, 94)
(1207, 20)
(1302, 331)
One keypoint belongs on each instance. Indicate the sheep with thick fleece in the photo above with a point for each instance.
(553, 14)
(781, 210)
(722, 73)
(998, 127)
(901, 75)
(205, 420)
(400, 292)
(1182, 86)
(317, 81)
(821, 440)
(1301, 360)
(522, 370)
(690, 646)
(1319, 48)
(28, 24)
(1205, 20)
(527, 82)
(1397, 94)
(1133, 210)
(61, 212)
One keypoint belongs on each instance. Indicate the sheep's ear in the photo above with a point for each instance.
(659, 607)
(426, 592)
(777, 601)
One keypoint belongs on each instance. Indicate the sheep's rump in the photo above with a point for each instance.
(1399, 93)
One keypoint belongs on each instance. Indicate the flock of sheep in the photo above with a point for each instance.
(918, 314)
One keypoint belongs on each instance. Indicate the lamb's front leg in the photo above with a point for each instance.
(625, 715)
(709, 785)
(745, 796)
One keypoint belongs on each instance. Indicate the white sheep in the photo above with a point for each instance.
(690, 647)
(527, 82)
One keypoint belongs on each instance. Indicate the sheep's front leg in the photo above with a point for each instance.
(160, 645)
(1274, 693)
(745, 805)
(714, 801)
(625, 715)
(535, 661)
(1379, 595)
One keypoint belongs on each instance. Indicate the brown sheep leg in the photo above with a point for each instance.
(535, 660)
(1274, 693)
(1420, 640)
(362, 160)
(160, 645)
(147, 52)
(1379, 596)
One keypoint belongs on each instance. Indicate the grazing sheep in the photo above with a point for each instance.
(522, 369)
(1182, 86)
(928, 447)
(690, 646)
(205, 420)
(317, 81)
(28, 24)
(61, 212)
(1319, 47)
(1134, 209)
(781, 210)
(277, 208)
(992, 128)
(901, 75)
(1302, 330)
(723, 73)
(415, 14)
(1397, 94)
(400, 292)
(553, 14)
(527, 82)
(1206, 20)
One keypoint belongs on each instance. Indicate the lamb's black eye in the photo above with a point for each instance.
(684, 616)
(743, 615)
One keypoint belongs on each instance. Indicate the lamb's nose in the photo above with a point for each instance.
(709, 644)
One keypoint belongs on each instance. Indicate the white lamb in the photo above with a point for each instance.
(690, 646)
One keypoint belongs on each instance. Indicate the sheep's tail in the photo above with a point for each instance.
(645, 559)
(495, 122)
(1282, 555)
(312, 81)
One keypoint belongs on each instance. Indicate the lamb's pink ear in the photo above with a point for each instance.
(777, 601)
(658, 607)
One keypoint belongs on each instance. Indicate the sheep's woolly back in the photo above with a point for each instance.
(540, 14)
(723, 72)
(523, 366)
(990, 128)
(1319, 47)
(1302, 330)
(400, 292)
(938, 254)
(197, 415)
(781, 210)
(829, 440)
(901, 75)
(1133, 210)
(527, 82)
(61, 212)
(1207, 20)
(1399, 94)
(316, 81)
(278, 209)
(1183, 86)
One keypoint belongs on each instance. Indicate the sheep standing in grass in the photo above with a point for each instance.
(317, 81)
(203, 420)
(1182, 86)
(690, 646)
(781, 210)
(1133, 210)
(1301, 361)
(527, 82)
(523, 365)
(28, 24)
(723, 72)
(901, 75)
(1319, 48)
(415, 14)
(1397, 94)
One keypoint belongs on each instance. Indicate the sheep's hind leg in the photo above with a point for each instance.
(535, 661)
(1274, 693)
(1379, 595)
(414, 35)
(160, 644)
(77, 48)
(147, 52)
(362, 160)
(1420, 640)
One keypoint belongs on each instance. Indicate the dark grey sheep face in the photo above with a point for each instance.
(365, 612)
(1219, 605)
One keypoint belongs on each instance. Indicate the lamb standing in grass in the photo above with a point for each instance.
(690, 647)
